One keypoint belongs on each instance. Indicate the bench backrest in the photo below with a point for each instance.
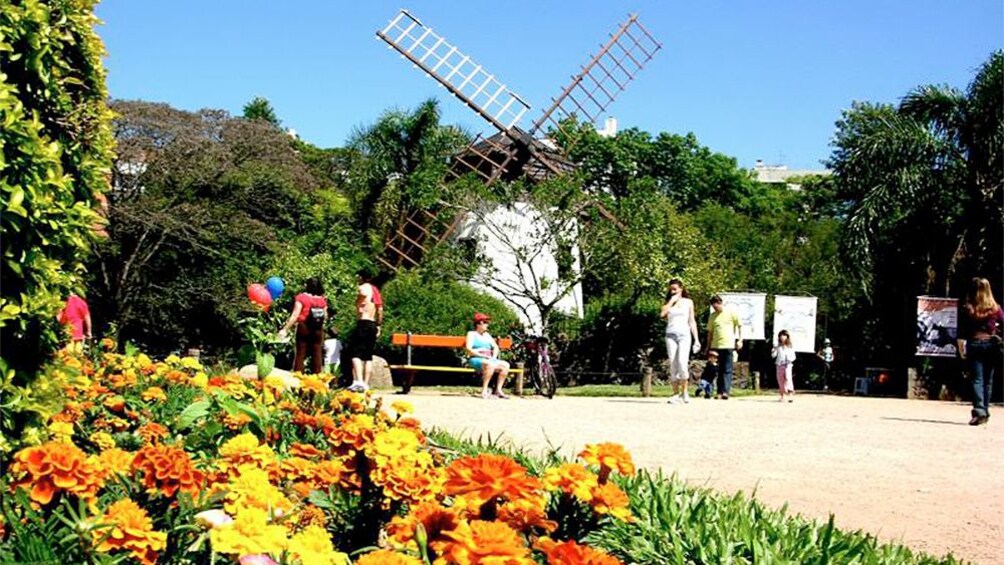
(453, 341)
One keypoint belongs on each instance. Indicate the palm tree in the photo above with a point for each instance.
(399, 165)
(926, 182)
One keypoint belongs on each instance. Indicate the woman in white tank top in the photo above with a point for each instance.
(681, 338)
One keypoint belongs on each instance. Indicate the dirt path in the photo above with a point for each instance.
(908, 471)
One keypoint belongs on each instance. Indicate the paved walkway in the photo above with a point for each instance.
(909, 471)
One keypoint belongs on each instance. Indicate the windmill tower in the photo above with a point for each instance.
(512, 152)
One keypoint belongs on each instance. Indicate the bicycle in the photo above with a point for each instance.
(538, 371)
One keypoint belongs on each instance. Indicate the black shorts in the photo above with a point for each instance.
(364, 339)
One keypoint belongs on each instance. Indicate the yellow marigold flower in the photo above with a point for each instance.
(54, 467)
(387, 557)
(61, 431)
(402, 407)
(235, 421)
(485, 477)
(251, 488)
(115, 461)
(484, 542)
(245, 449)
(154, 394)
(609, 456)
(249, 533)
(571, 553)
(130, 529)
(200, 380)
(191, 363)
(609, 499)
(313, 546)
(103, 440)
(311, 383)
(572, 479)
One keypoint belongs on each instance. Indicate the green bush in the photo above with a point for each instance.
(55, 150)
(428, 306)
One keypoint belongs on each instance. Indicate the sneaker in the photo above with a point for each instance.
(674, 399)
(487, 395)
(686, 399)
(356, 387)
(725, 397)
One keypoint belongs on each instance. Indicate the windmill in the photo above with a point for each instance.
(512, 152)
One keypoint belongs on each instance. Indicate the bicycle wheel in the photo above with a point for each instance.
(532, 377)
(548, 381)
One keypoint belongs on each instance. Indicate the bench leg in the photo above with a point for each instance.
(409, 379)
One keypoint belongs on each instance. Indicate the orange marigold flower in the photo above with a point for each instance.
(129, 529)
(609, 499)
(328, 472)
(609, 456)
(572, 479)
(54, 467)
(526, 514)
(154, 394)
(435, 518)
(313, 384)
(485, 477)
(571, 553)
(108, 344)
(152, 432)
(387, 557)
(483, 542)
(310, 515)
(355, 431)
(235, 421)
(177, 377)
(115, 404)
(168, 470)
(304, 450)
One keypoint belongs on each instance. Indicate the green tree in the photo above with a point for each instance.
(201, 205)
(934, 165)
(55, 151)
(260, 109)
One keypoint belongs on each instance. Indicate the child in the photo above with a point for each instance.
(784, 358)
(708, 376)
(332, 352)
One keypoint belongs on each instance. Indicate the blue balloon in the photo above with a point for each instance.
(275, 286)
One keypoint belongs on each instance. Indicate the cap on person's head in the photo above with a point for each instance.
(479, 317)
(826, 341)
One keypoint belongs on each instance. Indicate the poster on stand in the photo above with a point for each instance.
(937, 326)
(797, 314)
(750, 306)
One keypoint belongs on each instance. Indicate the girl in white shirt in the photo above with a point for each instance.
(681, 339)
(784, 358)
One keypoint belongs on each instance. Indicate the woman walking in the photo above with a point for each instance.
(681, 338)
(980, 344)
(784, 359)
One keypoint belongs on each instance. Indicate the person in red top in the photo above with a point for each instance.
(979, 344)
(77, 315)
(310, 312)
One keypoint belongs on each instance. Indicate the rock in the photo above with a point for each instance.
(251, 372)
(380, 378)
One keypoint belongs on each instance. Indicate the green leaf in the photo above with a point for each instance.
(193, 412)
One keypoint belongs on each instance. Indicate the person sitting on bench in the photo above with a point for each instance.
(483, 355)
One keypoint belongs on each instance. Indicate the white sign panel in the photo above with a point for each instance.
(750, 306)
(797, 314)
(937, 326)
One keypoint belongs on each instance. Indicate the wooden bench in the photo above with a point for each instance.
(410, 340)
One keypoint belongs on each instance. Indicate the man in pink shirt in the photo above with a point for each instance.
(77, 315)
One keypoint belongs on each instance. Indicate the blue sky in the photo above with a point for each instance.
(754, 80)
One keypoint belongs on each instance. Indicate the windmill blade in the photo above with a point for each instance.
(458, 73)
(606, 75)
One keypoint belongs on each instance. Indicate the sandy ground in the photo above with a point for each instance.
(907, 471)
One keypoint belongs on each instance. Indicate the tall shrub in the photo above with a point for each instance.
(55, 150)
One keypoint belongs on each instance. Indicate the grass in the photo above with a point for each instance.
(595, 390)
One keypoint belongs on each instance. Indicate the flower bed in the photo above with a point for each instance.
(158, 462)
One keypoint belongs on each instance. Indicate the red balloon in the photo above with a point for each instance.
(259, 295)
